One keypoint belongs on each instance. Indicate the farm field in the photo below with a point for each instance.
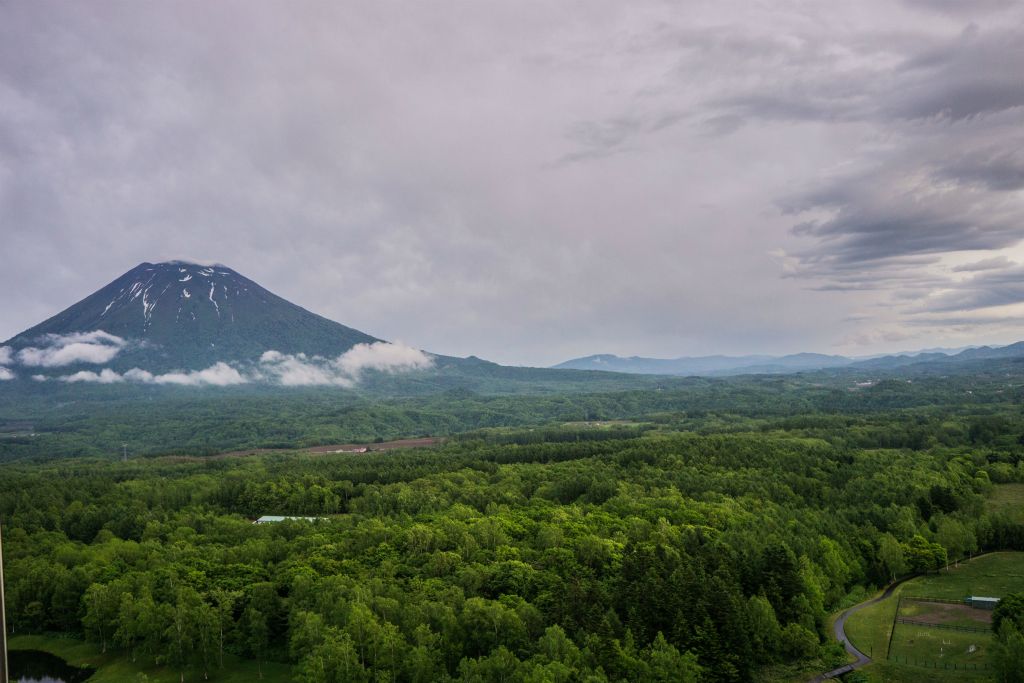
(944, 652)
(954, 615)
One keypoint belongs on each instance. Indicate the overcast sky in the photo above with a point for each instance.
(532, 181)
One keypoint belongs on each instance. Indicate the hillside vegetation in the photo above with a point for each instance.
(699, 546)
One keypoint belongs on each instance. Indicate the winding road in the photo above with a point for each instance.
(839, 631)
(839, 628)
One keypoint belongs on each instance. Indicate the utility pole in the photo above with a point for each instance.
(4, 675)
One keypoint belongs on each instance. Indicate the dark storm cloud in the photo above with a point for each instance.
(959, 7)
(994, 263)
(967, 322)
(997, 169)
(884, 214)
(951, 115)
(897, 78)
(986, 289)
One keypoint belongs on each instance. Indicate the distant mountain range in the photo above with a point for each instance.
(721, 366)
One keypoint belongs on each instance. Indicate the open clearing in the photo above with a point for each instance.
(1007, 499)
(939, 647)
(114, 667)
(945, 613)
(354, 448)
(870, 629)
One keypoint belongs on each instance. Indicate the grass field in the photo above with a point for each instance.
(940, 647)
(945, 613)
(1008, 499)
(116, 668)
(870, 629)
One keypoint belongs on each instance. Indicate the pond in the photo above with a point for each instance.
(34, 666)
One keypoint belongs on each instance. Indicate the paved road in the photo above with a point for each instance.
(839, 630)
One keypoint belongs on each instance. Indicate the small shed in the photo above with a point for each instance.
(272, 519)
(981, 602)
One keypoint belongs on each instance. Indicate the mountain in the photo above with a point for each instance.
(932, 360)
(185, 324)
(707, 365)
(179, 315)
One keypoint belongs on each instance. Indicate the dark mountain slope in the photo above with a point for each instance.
(183, 315)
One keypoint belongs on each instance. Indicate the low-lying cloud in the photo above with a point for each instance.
(105, 376)
(58, 350)
(274, 367)
(217, 375)
(345, 370)
(5, 359)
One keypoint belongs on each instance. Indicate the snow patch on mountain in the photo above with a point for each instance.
(212, 287)
(148, 306)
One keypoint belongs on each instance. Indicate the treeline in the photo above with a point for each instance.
(632, 556)
(94, 421)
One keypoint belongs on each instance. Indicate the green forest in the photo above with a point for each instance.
(706, 537)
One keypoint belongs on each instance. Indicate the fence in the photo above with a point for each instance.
(950, 627)
(942, 600)
(932, 664)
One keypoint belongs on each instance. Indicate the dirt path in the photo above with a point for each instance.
(423, 442)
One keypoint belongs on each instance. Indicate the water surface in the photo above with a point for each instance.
(35, 666)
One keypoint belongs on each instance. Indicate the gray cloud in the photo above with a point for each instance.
(922, 196)
(988, 288)
(960, 8)
(998, 169)
(893, 78)
(994, 263)
(525, 183)
(967, 322)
